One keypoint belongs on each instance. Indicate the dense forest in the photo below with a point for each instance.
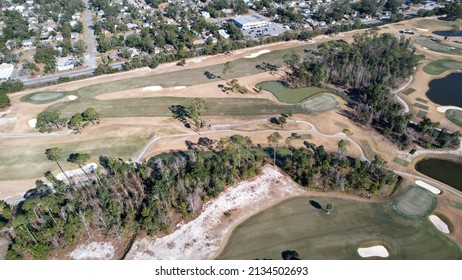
(367, 69)
(125, 197)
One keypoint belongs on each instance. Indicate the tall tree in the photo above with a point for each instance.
(273, 140)
(54, 154)
(80, 159)
(196, 110)
(91, 115)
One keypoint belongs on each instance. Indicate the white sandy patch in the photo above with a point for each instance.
(443, 109)
(254, 55)
(374, 251)
(8, 120)
(72, 97)
(152, 88)
(439, 224)
(196, 60)
(32, 122)
(428, 187)
(202, 237)
(425, 48)
(70, 173)
(93, 251)
(179, 87)
(452, 48)
(422, 29)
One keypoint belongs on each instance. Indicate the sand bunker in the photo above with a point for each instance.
(428, 187)
(374, 251)
(202, 237)
(72, 97)
(443, 109)
(70, 173)
(93, 251)
(439, 224)
(179, 87)
(8, 120)
(425, 48)
(32, 122)
(422, 29)
(152, 88)
(254, 55)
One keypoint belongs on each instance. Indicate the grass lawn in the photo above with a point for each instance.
(18, 162)
(289, 95)
(454, 116)
(421, 114)
(401, 161)
(439, 47)
(421, 100)
(440, 66)
(421, 106)
(296, 225)
(408, 91)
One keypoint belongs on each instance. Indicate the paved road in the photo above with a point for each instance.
(400, 100)
(90, 37)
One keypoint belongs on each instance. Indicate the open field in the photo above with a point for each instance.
(296, 224)
(439, 47)
(454, 116)
(414, 202)
(438, 67)
(288, 95)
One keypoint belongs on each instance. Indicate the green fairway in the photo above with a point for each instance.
(439, 47)
(421, 106)
(440, 66)
(408, 91)
(18, 163)
(289, 95)
(414, 202)
(296, 224)
(454, 116)
(320, 103)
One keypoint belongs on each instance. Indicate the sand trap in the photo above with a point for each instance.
(202, 237)
(422, 29)
(254, 55)
(93, 251)
(152, 88)
(443, 109)
(374, 251)
(179, 87)
(72, 97)
(425, 48)
(452, 48)
(439, 224)
(428, 187)
(70, 173)
(8, 120)
(32, 122)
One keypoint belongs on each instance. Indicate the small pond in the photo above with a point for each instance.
(447, 90)
(446, 171)
(448, 33)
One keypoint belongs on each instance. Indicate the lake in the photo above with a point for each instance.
(446, 171)
(447, 90)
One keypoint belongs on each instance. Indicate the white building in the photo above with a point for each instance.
(66, 63)
(250, 22)
(5, 71)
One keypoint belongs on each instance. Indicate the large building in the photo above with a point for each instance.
(251, 22)
(5, 71)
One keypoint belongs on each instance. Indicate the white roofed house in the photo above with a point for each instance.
(5, 71)
(65, 63)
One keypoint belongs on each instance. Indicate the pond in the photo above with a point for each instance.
(446, 91)
(446, 171)
(448, 33)
(289, 95)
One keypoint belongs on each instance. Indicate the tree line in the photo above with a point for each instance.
(47, 121)
(126, 197)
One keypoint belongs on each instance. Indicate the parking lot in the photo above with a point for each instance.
(274, 29)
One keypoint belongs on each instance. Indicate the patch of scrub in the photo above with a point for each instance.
(93, 251)
(71, 173)
(454, 116)
(152, 88)
(374, 251)
(43, 97)
(320, 103)
(72, 97)
(257, 54)
(179, 87)
(439, 224)
(428, 187)
(32, 123)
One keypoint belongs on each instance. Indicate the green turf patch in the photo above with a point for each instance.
(367, 148)
(306, 136)
(296, 224)
(401, 161)
(289, 95)
(439, 47)
(421, 106)
(415, 202)
(320, 103)
(43, 97)
(340, 124)
(437, 22)
(454, 116)
(455, 204)
(408, 91)
(440, 66)
(421, 114)
(421, 100)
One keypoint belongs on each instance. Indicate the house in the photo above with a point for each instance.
(74, 35)
(65, 63)
(169, 48)
(27, 43)
(5, 71)
(223, 33)
(205, 14)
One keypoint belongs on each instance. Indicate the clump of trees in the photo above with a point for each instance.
(47, 121)
(9, 86)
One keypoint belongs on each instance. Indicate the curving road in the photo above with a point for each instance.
(400, 100)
